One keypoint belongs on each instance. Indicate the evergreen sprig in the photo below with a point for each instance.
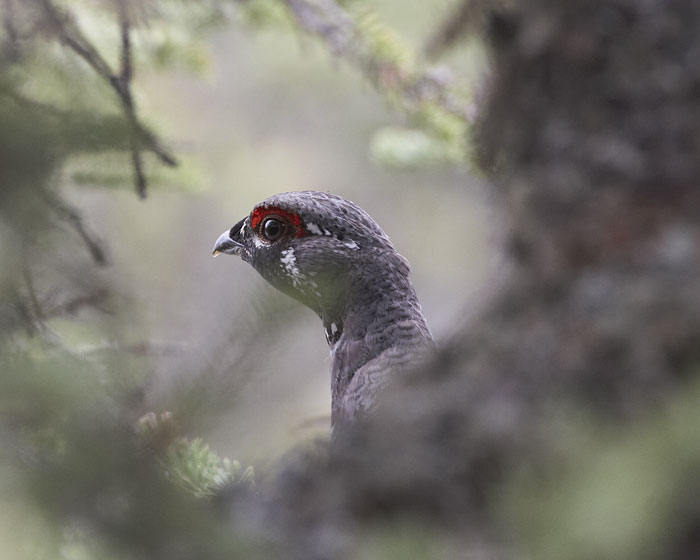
(194, 467)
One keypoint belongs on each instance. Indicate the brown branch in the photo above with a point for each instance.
(62, 23)
(25, 318)
(37, 310)
(461, 18)
(75, 219)
(124, 78)
(72, 305)
(33, 313)
(137, 165)
(125, 32)
(94, 246)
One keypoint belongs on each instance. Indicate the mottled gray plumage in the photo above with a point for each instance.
(330, 255)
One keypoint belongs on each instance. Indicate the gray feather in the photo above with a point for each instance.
(335, 259)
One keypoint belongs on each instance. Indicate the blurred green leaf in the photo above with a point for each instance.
(408, 148)
(622, 492)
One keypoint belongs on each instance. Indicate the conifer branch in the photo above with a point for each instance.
(62, 23)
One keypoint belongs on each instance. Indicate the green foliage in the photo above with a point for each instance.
(405, 148)
(172, 52)
(195, 468)
(385, 44)
(169, 35)
(72, 465)
(441, 139)
(404, 540)
(451, 130)
(85, 485)
(84, 482)
(111, 170)
(179, 41)
(263, 14)
(430, 98)
(438, 135)
(623, 491)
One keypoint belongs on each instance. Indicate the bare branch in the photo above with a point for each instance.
(74, 218)
(33, 313)
(31, 291)
(137, 164)
(72, 305)
(63, 25)
(125, 31)
(125, 75)
(26, 319)
(459, 20)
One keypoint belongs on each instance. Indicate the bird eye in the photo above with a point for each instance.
(272, 229)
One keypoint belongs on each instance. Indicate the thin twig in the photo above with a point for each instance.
(125, 31)
(125, 74)
(31, 291)
(74, 218)
(137, 164)
(63, 24)
(464, 16)
(26, 318)
(72, 305)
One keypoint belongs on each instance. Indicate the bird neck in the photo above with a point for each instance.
(380, 317)
(376, 301)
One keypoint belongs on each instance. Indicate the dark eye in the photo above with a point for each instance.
(272, 229)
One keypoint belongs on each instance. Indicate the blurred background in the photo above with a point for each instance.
(535, 162)
(275, 113)
(109, 288)
(261, 110)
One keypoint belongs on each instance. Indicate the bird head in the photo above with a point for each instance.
(328, 253)
(316, 247)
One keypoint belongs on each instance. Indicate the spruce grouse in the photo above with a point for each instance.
(329, 254)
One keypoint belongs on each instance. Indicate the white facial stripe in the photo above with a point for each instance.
(289, 262)
(313, 228)
(332, 335)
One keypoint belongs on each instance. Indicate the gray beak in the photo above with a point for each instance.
(229, 241)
